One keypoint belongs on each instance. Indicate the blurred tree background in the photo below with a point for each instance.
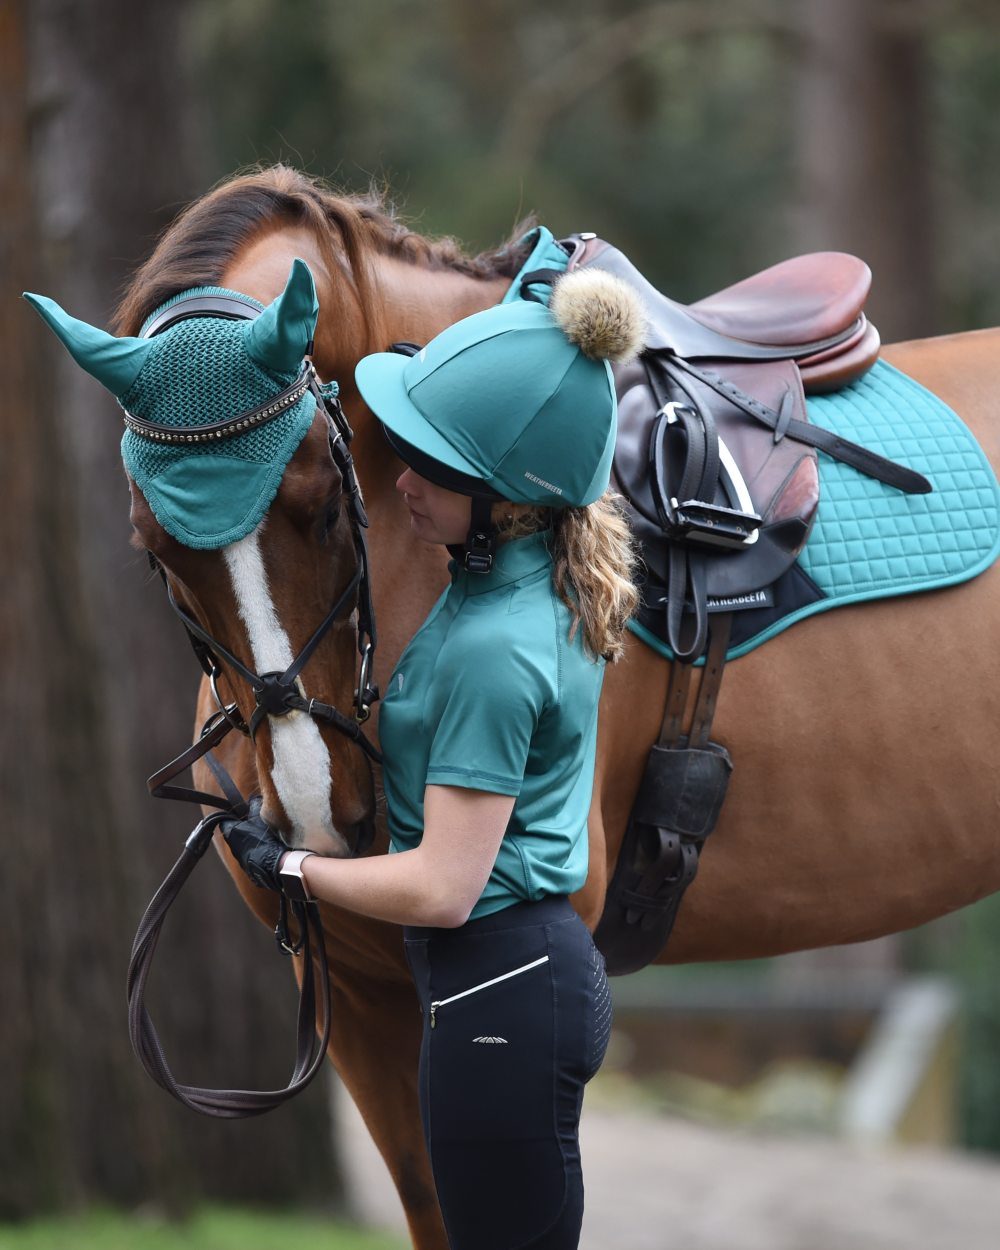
(707, 138)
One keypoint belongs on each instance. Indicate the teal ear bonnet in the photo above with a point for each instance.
(200, 371)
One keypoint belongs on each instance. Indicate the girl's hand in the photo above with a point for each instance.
(258, 848)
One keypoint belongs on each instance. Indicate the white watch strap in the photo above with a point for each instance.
(291, 866)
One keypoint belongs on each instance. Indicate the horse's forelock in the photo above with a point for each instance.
(200, 245)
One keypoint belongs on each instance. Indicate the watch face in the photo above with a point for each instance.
(292, 881)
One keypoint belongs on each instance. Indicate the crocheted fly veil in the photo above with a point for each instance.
(206, 491)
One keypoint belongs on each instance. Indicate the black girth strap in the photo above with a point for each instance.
(676, 808)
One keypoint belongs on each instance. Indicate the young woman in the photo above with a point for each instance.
(507, 424)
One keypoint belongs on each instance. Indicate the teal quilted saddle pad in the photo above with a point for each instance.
(870, 541)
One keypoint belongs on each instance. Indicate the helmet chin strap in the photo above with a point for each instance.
(480, 542)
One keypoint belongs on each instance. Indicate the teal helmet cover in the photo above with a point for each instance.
(516, 397)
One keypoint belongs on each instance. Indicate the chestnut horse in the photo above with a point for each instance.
(865, 797)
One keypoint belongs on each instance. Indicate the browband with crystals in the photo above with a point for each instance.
(284, 400)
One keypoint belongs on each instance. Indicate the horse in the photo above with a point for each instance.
(864, 799)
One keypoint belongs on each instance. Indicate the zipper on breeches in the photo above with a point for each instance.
(514, 972)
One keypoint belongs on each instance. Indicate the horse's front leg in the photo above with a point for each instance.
(376, 1021)
(375, 1047)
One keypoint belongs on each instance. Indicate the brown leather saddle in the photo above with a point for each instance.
(716, 459)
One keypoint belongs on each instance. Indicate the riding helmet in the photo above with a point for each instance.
(516, 402)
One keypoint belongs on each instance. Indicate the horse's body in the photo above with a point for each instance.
(865, 797)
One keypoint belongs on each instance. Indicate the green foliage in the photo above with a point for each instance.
(476, 115)
(669, 128)
(979, 1090)
(210, 1229)
(966, 78)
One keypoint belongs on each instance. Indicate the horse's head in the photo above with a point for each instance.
(243, 494)
(261, 594)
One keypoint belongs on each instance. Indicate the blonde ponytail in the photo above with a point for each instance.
(594, 563)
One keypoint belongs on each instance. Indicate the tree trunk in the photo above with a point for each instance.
(98, 684)
(861, 141)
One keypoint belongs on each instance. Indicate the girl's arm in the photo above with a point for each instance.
(437, 883)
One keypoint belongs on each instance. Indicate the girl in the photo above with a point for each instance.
(506, 423)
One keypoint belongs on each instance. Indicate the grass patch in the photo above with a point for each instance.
(214, 1228)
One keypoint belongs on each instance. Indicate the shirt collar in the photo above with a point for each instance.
(513, 561)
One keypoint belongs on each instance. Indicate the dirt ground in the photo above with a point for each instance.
(655, 1184)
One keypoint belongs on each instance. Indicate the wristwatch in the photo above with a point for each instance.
(293, 883)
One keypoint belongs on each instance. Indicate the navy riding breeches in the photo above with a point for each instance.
(517, 1015)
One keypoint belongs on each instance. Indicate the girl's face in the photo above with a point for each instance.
(437, 515)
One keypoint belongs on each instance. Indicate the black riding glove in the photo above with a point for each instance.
(258, 848)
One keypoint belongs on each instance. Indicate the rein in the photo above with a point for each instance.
(275, 694)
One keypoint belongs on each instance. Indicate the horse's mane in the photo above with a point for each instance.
(199, 245)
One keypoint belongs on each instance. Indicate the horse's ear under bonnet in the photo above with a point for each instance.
(198, 371)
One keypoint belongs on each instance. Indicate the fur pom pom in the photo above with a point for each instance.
(600, 314)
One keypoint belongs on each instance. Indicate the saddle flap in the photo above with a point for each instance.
(781, 477)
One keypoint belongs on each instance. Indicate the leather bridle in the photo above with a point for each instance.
(275, 694)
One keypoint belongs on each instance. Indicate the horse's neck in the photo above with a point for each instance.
(418, 303)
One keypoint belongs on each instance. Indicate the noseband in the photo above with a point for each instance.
(275, 694)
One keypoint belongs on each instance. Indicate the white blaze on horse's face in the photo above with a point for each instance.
(301, 771)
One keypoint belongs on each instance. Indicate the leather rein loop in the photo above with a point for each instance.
(229, 1104)
(275, 694)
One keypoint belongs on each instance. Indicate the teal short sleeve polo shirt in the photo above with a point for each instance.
(491, 695)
